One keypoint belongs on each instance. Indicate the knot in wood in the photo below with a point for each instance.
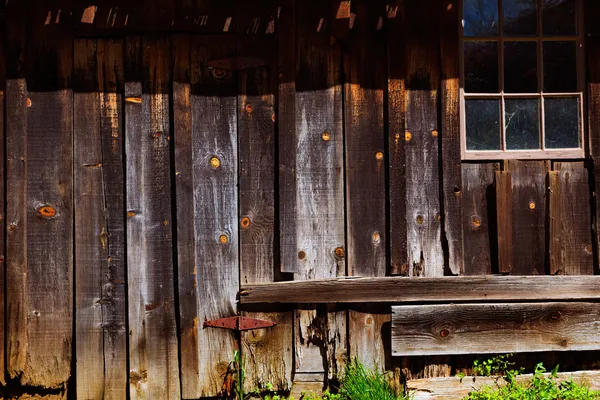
(47, 211)
(245, 222)
(444, 333)
(219, 73)
(589, 249)
(301, 254)
(379, 155)
(434, 133)
(326, 136)
(215, 162)
(475, 221)
(340, 252)
(223, 239)
(249, 108)
(376, 237)
(420, 219)
(407, 136)
(532, 205)
(555, 316)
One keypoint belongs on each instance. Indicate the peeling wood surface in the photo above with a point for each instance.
(494, 328)
(570, 240)
(154, 371)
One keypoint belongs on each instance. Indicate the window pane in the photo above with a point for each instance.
(558, 17)
(520, 67)
(522, 119)
(560, 67)
(481, 67)
(520, 17)
(480, 17)
(483, 124)
(562, 122)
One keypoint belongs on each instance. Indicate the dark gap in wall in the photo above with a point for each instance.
(589, 164)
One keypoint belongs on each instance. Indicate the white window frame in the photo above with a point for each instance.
(533, 154)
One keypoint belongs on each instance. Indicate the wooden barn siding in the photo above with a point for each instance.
(349, 163)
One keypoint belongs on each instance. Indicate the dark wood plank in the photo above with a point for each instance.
(450, 134)
(570, 240)
(529, 216)
(2, 202)
(268, 353)
(154, 371)
(479, 217)
(396, 116)
(437, 289)
(186, 249)
(366, 171)
(504, 211)
(214, 174)
(48, 302)
(423, 209)
(494, 328)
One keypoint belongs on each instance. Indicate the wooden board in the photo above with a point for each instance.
(438, 289)
(529, 208)
(453, 191)
(2, 205)
(423, 209)
(215, 196)
(455, 388)
(504, 212)
(494, 328)
(479, 218)
(154, 371)
(99, 210)
(570, 239)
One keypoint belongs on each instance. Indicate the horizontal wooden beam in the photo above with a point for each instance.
(455, 388)
(494, 328)
(442, 289)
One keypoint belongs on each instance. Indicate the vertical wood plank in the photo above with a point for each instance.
(2, 203)
(397, 145)
(570, 241)
(186, 249)
(319, 213)
(48, 302)
(365, 165)
(154, 371)
(529, 216)
(479, 217)
(450, 134)
(267, 353)
(504, 213)
(214, 149)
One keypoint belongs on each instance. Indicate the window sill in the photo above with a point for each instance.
(523, 155)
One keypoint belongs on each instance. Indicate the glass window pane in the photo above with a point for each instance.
(480, 17)
(558, 17)
(483, 124)
(522, 119)
(562, 122)
(481, 67)
(520, 17)
(560, 67)
(520, 67)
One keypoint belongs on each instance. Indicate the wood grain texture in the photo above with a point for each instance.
(423, 209)
(455, 388)
(215, 196)
(450, 134)
(529, 208)
(396, 115)
(99, 218)
(48, 282)
(570, 240)
(494, 328)
(154, 371)
(438, 289)
(504, 211)
(268, 353)
(479, 218)
(365, 176)
(3, 301)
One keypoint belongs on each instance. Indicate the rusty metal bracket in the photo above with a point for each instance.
(239, 323)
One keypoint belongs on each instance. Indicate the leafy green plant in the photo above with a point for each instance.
(496, 365)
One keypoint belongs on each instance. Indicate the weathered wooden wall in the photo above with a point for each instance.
(158, 155)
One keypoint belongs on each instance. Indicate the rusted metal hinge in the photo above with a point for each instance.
(239, 323)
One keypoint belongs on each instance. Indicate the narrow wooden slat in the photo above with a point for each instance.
(442, 289)
(423, 218)
(2, 203)
(186, 249)
(214, 163)
(365, 177)
(450, 134)
(456, 388)
(479, 219)
(153, 358)
(570, 241)
(494, 328)
(267, 353)
(504, 211)
(529, 216)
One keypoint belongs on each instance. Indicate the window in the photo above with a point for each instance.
(521, 79)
